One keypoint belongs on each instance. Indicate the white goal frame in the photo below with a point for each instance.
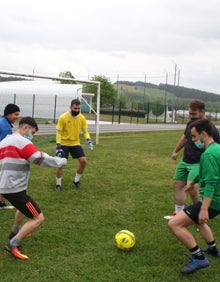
(97, 112)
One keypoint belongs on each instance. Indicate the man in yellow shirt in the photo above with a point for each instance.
(69, 126)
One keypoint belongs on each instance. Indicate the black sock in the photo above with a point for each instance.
(196, 253)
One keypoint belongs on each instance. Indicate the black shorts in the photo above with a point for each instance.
(75, 151)
(193, 212)
(23, 203)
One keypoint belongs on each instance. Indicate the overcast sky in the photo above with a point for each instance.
(120, 39)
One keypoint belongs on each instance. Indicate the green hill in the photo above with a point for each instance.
(174, 96)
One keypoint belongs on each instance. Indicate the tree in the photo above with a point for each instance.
(107, 90)
(67, 74)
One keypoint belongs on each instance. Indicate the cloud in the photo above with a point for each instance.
(130, 38)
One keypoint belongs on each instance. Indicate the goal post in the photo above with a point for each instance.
(6, 95)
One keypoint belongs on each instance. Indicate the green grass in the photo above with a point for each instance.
(126, 185)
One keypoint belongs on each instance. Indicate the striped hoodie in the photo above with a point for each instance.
(16, 154)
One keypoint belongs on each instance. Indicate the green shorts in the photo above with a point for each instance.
(186, 171)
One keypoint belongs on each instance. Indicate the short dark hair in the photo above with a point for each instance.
(30, 121)
(197, 104)
(10, 109)
(75, 102)
(203, 125)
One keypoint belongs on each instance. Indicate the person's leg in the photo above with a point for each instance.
(3, 204)
(179, 194)
(79, 172)
(30, 226)
(208, 237)
(17, 223)
(78, 153)
(194, 193)
(26, 207)
(179, 182)
(193, 174)
(82, 165)
(178, 226)
(59, 171)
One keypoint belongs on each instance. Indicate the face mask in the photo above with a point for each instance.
(200, 145)
(29, 136)
(74, 113)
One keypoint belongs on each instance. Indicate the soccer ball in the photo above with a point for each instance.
(125, 240)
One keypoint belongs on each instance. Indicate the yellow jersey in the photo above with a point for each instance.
(69, 129)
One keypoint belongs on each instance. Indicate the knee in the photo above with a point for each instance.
(171, 225)
(39, 219)
(83, 162)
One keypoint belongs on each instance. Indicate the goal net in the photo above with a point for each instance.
(45, 97)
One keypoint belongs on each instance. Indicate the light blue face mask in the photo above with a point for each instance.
(200, 145)
(29, 136)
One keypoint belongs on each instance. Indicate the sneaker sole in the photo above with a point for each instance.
(187, 273)
(168, 217)
(7, 208)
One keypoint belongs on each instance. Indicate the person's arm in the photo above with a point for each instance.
(210, 178)
(204, 214)
(87, 135)
(31, 153)
(59, 131)
(180, 144)
(43, 159)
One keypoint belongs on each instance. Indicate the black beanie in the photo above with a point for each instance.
(10, 109)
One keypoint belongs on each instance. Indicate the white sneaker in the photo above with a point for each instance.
(168, 217)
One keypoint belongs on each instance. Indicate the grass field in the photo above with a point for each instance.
(127, 185)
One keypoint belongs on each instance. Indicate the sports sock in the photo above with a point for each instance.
(77, 177)
(178, 208)
(196, 253)
(58, 180)
(15, 229)
(15, 242)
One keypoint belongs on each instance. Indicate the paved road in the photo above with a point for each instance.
(45, 129)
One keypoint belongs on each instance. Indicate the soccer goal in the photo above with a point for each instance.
(46, 96)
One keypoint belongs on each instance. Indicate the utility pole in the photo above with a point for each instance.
(175, 69)
(178, 81)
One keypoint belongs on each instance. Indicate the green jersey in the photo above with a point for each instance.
(209, 175)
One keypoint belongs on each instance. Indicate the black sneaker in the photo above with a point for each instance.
(77, 184)
(57, 188)
(209, 251)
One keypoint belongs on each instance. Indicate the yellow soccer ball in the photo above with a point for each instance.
(125, 240)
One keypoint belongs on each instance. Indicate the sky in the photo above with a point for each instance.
(156, 41)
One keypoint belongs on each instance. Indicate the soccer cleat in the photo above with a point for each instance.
(77, 184)
(57, 188)
(3, 206)
(209, 251)
(194, 265)
(15, 252)
(168, 217)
